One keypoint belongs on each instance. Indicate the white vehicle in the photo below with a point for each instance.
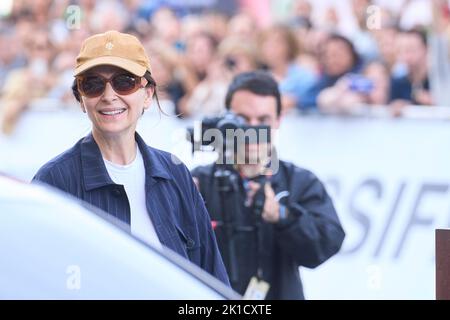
(53, 246)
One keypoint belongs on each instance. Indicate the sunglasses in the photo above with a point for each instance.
(94, 85)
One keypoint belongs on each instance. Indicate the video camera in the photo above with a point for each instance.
(226, 134)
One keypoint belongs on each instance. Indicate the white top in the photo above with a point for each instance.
(132, 177)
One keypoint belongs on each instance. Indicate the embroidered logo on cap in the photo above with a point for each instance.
(109, 46)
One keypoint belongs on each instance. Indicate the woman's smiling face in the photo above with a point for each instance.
(113, 114)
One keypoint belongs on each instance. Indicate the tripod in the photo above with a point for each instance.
(228, 187)
(227, 181)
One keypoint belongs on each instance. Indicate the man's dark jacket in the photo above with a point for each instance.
(309, 235)
(174, 205)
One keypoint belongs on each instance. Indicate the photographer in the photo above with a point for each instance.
(273, 221)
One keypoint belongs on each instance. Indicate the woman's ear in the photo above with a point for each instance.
(149, 91)
(83, 108)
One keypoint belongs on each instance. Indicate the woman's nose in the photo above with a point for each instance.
(109, 92)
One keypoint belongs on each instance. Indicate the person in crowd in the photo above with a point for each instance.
(279, 49)
(32, 81)
(413, 85)
(337, 58)
(369, 89)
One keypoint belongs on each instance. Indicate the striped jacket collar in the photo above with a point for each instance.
(94, 170)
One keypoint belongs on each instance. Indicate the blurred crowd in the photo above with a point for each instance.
(196, 47)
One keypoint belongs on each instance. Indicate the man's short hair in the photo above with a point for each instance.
(418, 32)
(257, 82)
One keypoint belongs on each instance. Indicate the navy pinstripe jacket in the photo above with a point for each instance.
(174, 205)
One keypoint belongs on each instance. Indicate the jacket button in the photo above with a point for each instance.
(190, 243)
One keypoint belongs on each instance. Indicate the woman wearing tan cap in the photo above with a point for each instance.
(112, 168)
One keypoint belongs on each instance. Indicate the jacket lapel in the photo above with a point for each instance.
(93, 168)
(156, 173)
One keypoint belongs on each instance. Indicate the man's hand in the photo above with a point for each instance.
(271, 210)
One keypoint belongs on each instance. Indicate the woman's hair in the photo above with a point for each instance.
(351, 48)
(287, 35)
(150, 83)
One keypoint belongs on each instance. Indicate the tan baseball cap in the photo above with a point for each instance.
(113, 48)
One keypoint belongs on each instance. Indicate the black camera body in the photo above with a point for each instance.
(226, 134)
